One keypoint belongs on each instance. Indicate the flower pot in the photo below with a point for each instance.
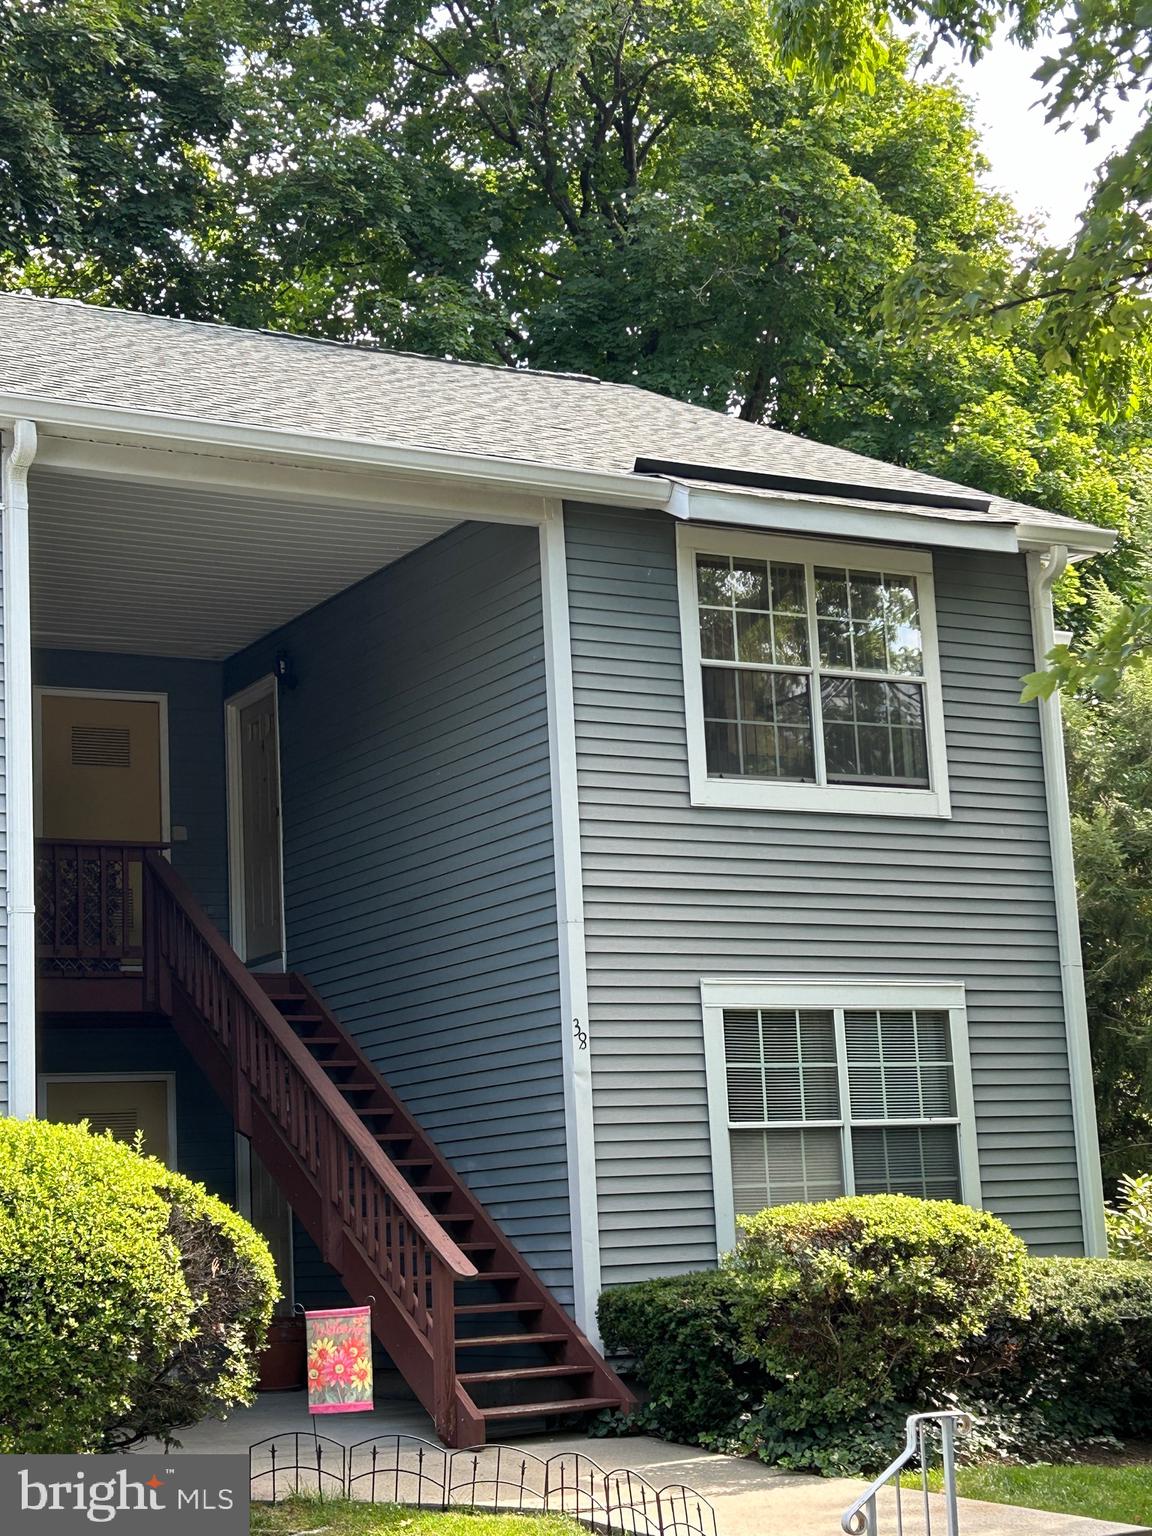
(282, 1359)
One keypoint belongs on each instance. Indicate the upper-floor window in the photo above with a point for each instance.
(811, 675)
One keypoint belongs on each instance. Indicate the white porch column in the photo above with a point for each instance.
(574, 1028)
(19, 450)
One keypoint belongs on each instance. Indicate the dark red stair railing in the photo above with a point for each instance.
(468, 1323)
(369, 1224)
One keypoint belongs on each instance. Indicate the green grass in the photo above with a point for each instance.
(310, 1517)
(1119, 1493)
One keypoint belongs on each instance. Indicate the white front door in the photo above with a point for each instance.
(254, 782)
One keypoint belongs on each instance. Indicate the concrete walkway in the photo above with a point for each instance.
(749, 1499)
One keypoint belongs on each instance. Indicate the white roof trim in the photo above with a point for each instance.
(783, 514)
(135, 427)
(132, 427)
(745, 509)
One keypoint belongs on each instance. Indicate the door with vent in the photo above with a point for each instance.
(124, 1106)
(101, 774)
(101, 777)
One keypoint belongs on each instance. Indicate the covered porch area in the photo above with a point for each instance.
(292, 768)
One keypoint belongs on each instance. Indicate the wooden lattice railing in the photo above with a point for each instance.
(89, 906)
(344, 1187)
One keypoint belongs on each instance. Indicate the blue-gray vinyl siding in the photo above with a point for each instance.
(675, 892)
(419, 870)
(196, 773)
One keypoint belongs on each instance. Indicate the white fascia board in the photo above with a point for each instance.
(137, 428)
(305, 483)
(778, 515)
(1081, 542)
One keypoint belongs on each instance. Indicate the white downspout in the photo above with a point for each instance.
(1044, 570)
(21, 851)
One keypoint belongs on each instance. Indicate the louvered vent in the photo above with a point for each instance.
(907, 1160)
(101, 746)
(123, 1123)
(899, 1064)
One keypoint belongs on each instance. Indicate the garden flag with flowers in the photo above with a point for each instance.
(339, 1360)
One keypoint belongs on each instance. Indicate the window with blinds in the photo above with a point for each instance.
(830, 1101)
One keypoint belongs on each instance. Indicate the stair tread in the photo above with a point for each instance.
(525, 1373)
(491, 1276)
(534, 1410)
(478, 1309)
(476, 1247)
(494, 1339)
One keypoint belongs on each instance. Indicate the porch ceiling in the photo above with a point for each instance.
(178, 571)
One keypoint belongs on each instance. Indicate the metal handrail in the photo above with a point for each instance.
(859, 1519)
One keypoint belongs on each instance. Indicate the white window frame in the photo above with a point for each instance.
(870, 799)
(719, 993)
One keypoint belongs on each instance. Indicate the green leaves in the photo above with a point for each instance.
(1109, 738)
(106, 1261)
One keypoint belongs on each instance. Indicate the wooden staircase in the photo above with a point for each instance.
(471, 1327)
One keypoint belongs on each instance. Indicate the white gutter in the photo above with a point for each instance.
(135, 428)
(1043, 573)
(624, 488)
(21, 851)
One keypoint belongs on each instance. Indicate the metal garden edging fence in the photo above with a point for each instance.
(896, 1506)
(404, 1469)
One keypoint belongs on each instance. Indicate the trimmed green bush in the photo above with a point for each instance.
(684, 1336)
(929, 1307)
(231, 1279)
(131, 1301)
(1079, 1364)
(851, 1304)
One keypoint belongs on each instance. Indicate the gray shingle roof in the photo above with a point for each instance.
(84, 355)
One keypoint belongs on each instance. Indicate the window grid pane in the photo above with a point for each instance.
(921, 1160)
(782, 1075)
(758, 724)
(899, 1064)
(780, 1167)
(868, 621)
(754, 618)
(781, 1065)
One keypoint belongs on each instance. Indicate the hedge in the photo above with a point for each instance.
(853, 1303)
(131, 1301)
(1081, 1360)
(1047, 1351)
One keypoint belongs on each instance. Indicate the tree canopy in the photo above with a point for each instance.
(1110, 781)
(1089, 301)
